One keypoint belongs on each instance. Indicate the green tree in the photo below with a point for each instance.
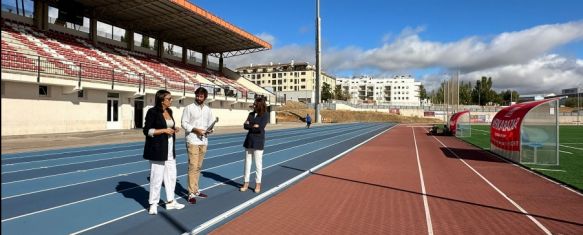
(145, 42)
(346, 95)
(508, 96)
(422, 92)
(572, 102)
(338, 93)
(465, 93)
(326, 92)
(170, 49)
(125, 37)
(439, 94)
(482, 93)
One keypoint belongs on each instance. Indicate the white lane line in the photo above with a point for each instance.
(542, 227)
(88, 199)
(542, 169)
(425, 201)
(534, 173)
(565, 152)
(75, 151)
(140, 161)
(133, 144)
(61, 159)
(562, 145)
(67, 164)
(105, 155)
(275, 189)
(240, 207)
(134, 172)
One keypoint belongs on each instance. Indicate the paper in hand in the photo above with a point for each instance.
(210, 128)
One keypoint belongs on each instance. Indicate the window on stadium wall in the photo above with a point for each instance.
(459, 124)
(21, 7)
(527, 132)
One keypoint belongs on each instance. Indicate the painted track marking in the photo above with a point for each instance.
(425, 201)
(542, 227)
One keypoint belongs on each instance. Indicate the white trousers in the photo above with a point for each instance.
(162, 171)
(257, 157)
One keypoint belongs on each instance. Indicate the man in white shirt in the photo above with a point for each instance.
(196, 118)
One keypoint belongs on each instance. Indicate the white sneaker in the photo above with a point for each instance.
(153, 209)
(174, 205)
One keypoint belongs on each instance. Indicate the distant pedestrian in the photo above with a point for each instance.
(254, 143)
(160, 131)
(308, 120)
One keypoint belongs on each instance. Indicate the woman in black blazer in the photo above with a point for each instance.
(160, 132)
(255, 142)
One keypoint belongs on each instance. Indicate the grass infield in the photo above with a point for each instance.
(570, 168)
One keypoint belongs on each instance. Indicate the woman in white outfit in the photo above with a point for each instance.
(159, 148)
(255, 142)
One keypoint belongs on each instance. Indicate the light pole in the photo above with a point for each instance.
(578, 104)
(318, 69)
(479, 94)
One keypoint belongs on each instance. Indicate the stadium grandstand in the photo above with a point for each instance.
(63, 74)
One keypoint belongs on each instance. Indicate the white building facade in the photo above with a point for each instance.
(295, 80)
(398, 90)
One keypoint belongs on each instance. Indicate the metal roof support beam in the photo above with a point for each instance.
(205, 59)
(130, 40)
(153, 21)
(93, 28)
(221, 63)
(125, 5)
(41, 15)
(184, 54)
(228, 54)
(160, 50)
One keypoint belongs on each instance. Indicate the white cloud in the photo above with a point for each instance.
(284, 54)
(518, 60)
(469, 54)
(544, 74)
(548, 73)
(267, 37)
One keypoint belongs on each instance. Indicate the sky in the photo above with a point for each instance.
(531, 46)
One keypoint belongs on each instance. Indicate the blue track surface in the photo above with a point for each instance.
(104, 189)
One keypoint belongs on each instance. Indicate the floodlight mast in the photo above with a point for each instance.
(318, 69)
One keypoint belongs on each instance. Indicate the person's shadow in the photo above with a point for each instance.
(181, 191)
(134, 191)
(221, 179)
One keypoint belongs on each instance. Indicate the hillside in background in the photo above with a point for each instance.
(296, 112)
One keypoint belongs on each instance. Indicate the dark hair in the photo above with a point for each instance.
(260, 106)
(203, 91)
(160, 95)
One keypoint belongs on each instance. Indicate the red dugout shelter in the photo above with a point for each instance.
(527, 132)
(459, 124)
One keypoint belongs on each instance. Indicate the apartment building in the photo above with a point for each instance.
(294, 80)
(398, 90)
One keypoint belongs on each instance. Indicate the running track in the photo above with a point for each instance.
(401, 181)
(407, 182)
(104, 189)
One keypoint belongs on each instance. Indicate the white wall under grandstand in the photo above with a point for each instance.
(62, 111)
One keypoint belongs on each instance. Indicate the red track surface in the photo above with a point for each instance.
(377, 189)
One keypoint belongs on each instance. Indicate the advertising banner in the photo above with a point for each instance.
(505, 127)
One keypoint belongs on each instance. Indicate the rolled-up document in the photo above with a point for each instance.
(210, 128)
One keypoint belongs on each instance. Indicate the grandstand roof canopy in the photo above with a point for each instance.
(177, 22)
